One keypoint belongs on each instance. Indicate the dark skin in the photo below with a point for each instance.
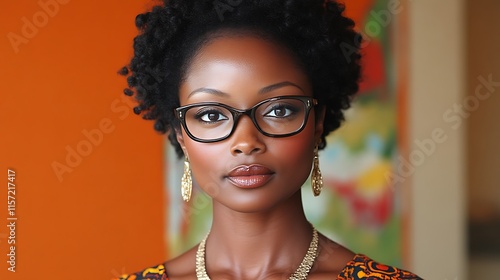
(259, 232)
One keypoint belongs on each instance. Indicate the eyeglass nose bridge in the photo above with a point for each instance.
(237, 113)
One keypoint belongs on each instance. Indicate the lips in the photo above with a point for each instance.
(250, 176)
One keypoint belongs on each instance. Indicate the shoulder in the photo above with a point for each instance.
(181, 267)
(362, 267)
(151, 273)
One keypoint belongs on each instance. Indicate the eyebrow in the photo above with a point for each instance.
(277, 86)
(261, 91)
(208, 90)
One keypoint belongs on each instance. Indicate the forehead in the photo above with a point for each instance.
(242, 64)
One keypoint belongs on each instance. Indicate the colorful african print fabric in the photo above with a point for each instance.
(151, 273)
(360, 267)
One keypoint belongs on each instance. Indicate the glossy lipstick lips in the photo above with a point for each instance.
(249, 176)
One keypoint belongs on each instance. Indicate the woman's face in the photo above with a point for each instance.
(248, 172)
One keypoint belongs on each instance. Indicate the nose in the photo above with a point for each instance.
(246, 138)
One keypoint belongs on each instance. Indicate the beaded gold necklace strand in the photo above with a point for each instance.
(299, 274)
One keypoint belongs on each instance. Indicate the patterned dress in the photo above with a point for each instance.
(360, 267)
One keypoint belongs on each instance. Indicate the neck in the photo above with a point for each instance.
(257, 245)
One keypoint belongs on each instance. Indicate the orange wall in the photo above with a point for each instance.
(104, 217)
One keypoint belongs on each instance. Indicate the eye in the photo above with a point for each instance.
(281, 111)
(210, 115)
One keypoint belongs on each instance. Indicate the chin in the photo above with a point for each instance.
(254, 201)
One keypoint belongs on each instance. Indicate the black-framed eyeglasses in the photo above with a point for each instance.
(280, 116)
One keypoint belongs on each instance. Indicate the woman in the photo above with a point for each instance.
(247, 92)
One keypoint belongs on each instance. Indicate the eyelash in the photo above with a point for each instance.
(282, 106)
(203, 112)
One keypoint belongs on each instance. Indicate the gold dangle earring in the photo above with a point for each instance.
(186, 182)
(316, 178)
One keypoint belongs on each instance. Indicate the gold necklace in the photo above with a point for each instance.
(299, 274)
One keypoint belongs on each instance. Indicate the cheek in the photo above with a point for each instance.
(295, 153)
(206, 164)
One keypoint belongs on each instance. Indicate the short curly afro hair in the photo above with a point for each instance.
(316, 32)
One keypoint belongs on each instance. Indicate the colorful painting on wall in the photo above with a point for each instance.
(361, 207)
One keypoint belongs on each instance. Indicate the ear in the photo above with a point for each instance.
(319, 122)
(180, 139)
